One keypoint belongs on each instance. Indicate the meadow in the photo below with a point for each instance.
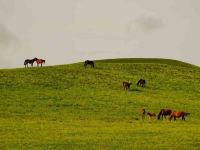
(70, 107)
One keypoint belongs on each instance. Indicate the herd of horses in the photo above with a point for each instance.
(31, 61)
(126, 86)
(42, 61)
(164, 113)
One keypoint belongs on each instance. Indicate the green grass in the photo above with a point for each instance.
(70, 107)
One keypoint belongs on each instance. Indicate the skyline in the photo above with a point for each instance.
(75, 30)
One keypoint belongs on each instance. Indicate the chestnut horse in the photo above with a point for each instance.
(178, 114)
(29, 61)
(40, 61)
(164, 112)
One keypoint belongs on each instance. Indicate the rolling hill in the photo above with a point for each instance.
(70, 107)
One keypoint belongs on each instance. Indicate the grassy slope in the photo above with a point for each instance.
(69, 107)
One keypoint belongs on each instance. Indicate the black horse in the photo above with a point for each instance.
(141, 82)
(29, 61)
(89, 62)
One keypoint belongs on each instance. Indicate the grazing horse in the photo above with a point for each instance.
(126, 85)
(178, 114)
(40, 61)
(151, 115)
(141, 82)
(143, 112)
(89, 62)
(164, 112)
(29, 61)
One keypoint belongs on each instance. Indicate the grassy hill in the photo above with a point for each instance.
(70, 107)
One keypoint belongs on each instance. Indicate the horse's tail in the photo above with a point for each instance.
(138, 82)
(160, 114)
(44, 61)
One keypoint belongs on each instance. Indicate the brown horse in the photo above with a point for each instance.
(151, 115)
(40, 61)
(178, 114)
(143, 112)
(126, 85)
(164, 112)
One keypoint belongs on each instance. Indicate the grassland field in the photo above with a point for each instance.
(70, 107)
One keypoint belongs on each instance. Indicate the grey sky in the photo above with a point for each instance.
(66, 31)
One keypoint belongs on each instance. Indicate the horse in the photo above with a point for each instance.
(164, 112)
(143, 112)
(29, 61)
(178, 114)
(141, 82)
(151, 115)
(89, 62)
(40, 61)
(126, 85)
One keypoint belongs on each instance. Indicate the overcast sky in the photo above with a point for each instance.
(67, 31)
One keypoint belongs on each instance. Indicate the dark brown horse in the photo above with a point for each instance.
(40, 61)
(164, 112)
(29, 61)
(126, 85)
(178, 114)
(141, 82)
(89, 62)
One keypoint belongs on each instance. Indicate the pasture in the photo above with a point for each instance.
(72, 107)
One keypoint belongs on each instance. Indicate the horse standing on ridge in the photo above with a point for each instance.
(40, 61)
(89, 62)
(29, 61)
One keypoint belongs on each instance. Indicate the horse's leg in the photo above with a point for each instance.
(174, 118)
(41, 65)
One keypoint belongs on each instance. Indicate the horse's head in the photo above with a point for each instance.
(35, 59)
(187, 114)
